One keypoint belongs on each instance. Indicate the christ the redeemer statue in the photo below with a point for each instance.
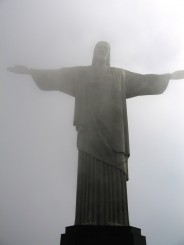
(100, 118)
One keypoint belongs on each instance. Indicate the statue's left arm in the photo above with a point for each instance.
(149, 84)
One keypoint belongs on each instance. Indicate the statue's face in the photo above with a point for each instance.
(102, 51)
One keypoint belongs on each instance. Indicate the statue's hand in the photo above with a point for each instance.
(177, 75)
(19, 69)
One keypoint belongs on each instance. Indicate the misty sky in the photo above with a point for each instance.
(39, 157)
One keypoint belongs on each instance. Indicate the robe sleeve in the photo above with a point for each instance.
(64, 79)
(149, 84)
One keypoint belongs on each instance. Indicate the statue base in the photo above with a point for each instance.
(100, 235)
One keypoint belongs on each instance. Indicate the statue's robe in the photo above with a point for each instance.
(101, 121)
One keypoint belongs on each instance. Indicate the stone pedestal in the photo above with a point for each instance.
(102, 235)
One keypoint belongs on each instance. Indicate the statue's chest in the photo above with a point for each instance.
(100, 93)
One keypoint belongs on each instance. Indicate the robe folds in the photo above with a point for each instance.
(100, 118)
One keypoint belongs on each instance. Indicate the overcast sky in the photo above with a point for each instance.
(39, 158)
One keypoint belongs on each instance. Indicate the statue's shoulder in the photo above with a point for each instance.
(82, 69)
(117, 71)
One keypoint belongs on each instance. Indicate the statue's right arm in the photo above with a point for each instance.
(19, 69)
(63, 79)
(40, 77)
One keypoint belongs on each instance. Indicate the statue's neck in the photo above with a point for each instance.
(100, 67)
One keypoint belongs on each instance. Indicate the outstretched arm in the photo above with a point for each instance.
(19, 69)
(177, 75)
(63, 79)
(149, 84)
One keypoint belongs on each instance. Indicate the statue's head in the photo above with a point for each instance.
(101, 53)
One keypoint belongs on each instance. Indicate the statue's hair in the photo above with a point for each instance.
(95, 50)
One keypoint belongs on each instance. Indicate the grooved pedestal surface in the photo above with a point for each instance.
(102, 235)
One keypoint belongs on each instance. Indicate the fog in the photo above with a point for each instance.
(39, 157)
